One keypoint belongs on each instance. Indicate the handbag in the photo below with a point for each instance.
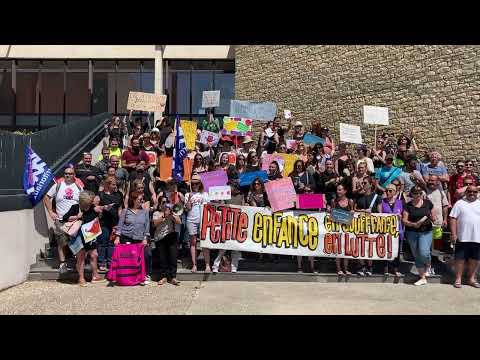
(71, 228)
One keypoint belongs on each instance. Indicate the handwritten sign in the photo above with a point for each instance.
(350, 134)
(291, 144)
(268, 158)
(375, 115)
(310, 139)
(248, 177)
(213, 178)
(152, 157)
(210, 99)
(189, 133)
(237, 126)
(287, 114)
(263, 111)
(219, 193)
(342, 216)
(146, 102)
(208, 137)
(281, 194)
(165, 167)
(311, 201)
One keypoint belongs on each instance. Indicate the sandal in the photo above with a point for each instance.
(474, 284)
(82, 283)
(457, 285)
(102, 269)
(174, 282)
(208, 269)
(162, 281)
(348, 273)
(98, 280)
(340, 273)
(299, 270)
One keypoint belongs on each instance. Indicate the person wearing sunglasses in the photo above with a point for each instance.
(387, 173)
(435, 167)
(417, 217)
(465, 227)
(468, 180)
(456, 180)
(358, 181)
(193, 204)
(58, 201)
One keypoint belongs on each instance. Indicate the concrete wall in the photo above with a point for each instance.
(23, 234)
(433, 89)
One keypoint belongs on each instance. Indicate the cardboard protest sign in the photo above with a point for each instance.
(298, 233)
(210, 99)
(350, 134)
(214, 178)
(248, 177)
(220, 193)
(311, 201)
(165, 167)
(146, 101)
(310, 139)
(281, 194)
(268, 158)
(189, 133)
(152, 157)
(375, 115)
(91, 230)
(289, 161)
(237, 126)
(263, 111)
(187, 168)
(208, 137)
(232, 158)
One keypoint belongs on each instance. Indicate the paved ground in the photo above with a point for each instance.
(51, 297)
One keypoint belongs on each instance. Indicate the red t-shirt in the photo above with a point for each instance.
(128, 157)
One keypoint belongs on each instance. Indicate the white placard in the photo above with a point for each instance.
(287, 114)
(350, 134)
(210, 99)
(219, 192)
(375, 115)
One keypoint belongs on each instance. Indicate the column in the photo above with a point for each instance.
(158, 75)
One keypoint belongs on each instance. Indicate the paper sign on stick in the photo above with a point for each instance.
(237, 126)
(281, 194)
(311, 201)
(208, 137)
(350, 134)
(342, 216)
(214, 178)
(189, 132)
(291, 144)
(263, 111)
(375, 115)
(165, 167)
(210, 99)
(220, 193)
(146, 101)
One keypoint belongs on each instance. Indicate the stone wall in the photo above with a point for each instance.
(433, 89)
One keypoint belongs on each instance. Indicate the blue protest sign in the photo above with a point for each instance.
(310, 139)
(262, 111)
(342, 216)
(248, 177)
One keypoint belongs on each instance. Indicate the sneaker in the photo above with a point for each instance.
(63, 268)
(361, 272)
(421, 282)
(369, 272)
(215, 269)
(430, 272)
(147, 280)
(234, 270)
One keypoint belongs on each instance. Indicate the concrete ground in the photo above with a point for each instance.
(216, 298)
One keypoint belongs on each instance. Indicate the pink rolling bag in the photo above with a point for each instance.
(128, 265)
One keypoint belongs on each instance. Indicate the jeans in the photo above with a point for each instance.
(147, 253)
(420, 245)
(105, 247)
(167, 251)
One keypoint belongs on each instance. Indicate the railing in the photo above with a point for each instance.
(56, 146)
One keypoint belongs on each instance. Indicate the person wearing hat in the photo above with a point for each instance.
(387, 173)
(329, 145)
(298, 132)
(226, 144)
(155, 137)
(193, 205)
(247, 144)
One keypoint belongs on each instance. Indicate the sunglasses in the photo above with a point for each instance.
(460, 165)
(416, 193)
(195, 183)
(390, 190)
(469, 165)
(472, 192)
(468, 184)
(257, 184)
(68, 174)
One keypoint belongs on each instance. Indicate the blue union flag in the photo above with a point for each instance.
(37, 176)
(179, 152)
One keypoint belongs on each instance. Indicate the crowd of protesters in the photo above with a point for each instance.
(135, 205)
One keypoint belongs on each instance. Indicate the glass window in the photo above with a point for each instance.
(201, 81)
(202, 65)
(179, 65)
(126, 82)
(148, 82)
(225, 82)
(52, 93)
(129, 66)
(77, 102)
(148, 66)
(27, 99)
(104, 85)
(6, 94)
(179, 91)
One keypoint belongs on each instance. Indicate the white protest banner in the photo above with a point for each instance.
(303, 233)
(146, 102)
(350, 134)
(210, 99)
(208, 137)
(220, 193)
(263, 111)
(375, 115)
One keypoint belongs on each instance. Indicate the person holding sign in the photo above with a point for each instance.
(362, 157)
(329, 146)
(257, 196)
(252, 162)
(302, 181)
(86, 211)
(210, 123)
(274, 172)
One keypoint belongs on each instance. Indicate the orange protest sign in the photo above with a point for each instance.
(165, 167)
(187, 168)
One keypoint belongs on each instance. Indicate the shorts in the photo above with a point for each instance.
(467, 250)
(61, 237)
(193, 228)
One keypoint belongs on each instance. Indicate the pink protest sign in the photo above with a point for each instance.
(311, 201)
(281, 194)
(214, 178)
(268, 158)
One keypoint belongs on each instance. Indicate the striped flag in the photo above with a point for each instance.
(179, 152)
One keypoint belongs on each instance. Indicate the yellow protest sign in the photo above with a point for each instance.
(289, 161)
(189, 133)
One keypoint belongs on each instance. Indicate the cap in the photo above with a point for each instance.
(248, 139)
(227, 138)
(298, 123)
(196, 177)
(155, 130)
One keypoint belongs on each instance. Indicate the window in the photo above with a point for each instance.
(201, 81)
(104, 87)
(179, 90)
(6, 94)
(28, 93)
(77, 104)
(52, 93)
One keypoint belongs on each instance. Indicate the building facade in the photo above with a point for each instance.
(46, 85)
(433, 89)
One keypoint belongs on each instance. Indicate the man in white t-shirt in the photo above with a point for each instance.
(465, 227)
(66, 194)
